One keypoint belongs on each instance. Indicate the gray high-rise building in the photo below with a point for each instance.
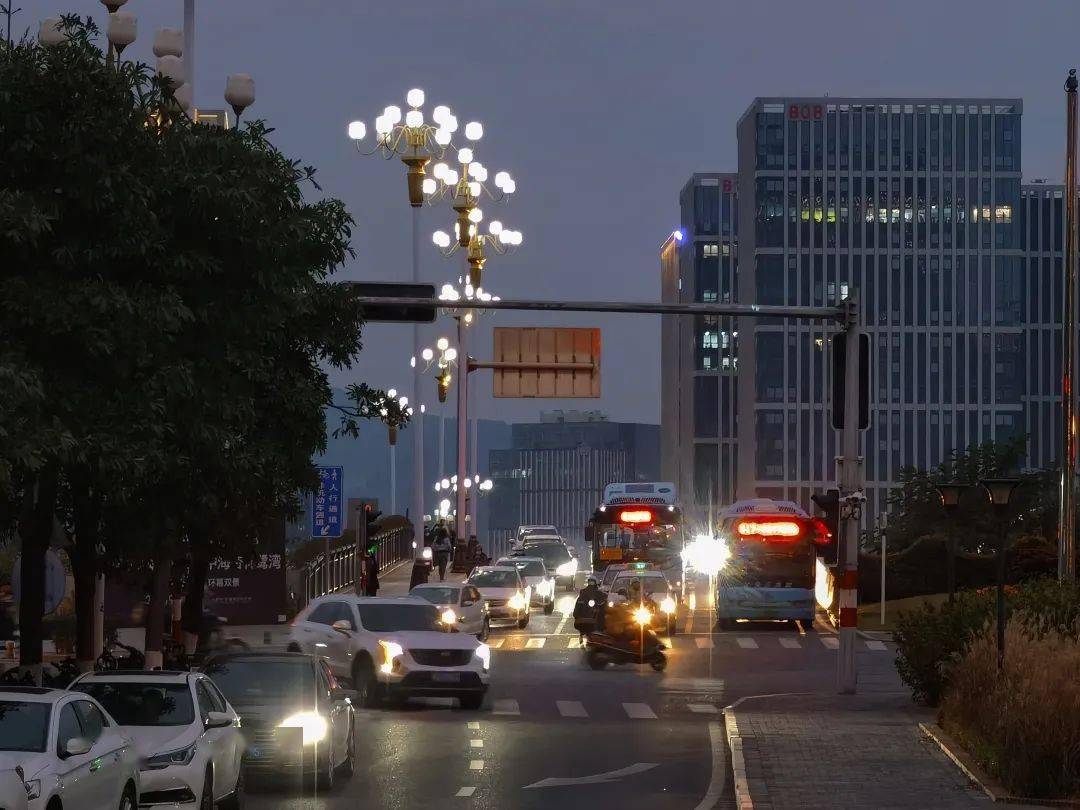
(917, 204)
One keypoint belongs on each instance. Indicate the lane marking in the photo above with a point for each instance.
(639, 711)
(506, 706)
(465, 792)
(562, 623)
(476, 743)
(790, 643)
(719, 770)
(832, 642)
(496, 643)
(574, 643)
(595, 779)
(876, 645)
(476, 765)
(571, 708)
(474, 725)
(704, 642)
(702, 708)
(535, 643)
(746, 643)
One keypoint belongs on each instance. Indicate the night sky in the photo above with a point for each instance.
(600, 110)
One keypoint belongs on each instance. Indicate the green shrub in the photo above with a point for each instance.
(1046, 606)
(929, 641)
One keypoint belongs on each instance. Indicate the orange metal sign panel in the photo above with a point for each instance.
(551, 362)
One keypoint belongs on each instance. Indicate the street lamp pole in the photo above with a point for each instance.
(1067, 513)
(189, 45)
(461, 527)
(1000, 491)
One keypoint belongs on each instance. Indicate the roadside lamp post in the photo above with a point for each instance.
(1000, 492)
(950, 495)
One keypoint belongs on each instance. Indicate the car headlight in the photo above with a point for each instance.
(517, 601)
(448, 617)
(181, 756)
(391, 650)
(642, 615)
(312, 723)
(567, 568)
(483, 652)
(667, 605)
(426, 554)
(33, 788)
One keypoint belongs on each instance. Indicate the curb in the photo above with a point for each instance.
(738, 761)
(973, 771)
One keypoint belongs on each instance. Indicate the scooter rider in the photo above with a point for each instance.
(589, 609)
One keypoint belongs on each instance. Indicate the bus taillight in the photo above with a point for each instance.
(635, 516)
(771, 529)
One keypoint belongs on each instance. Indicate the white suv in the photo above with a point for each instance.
(394, 647)
(186, 733)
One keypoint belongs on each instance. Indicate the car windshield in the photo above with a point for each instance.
(610, 574)
(261, 680)
(23, 726)
(438, 596)
(390, 618)
(553, 554)
(494, 579)
(144, 704)
(649, 585)
(527, 568)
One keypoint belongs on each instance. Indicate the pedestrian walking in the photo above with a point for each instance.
(371, 573)
(442, 548)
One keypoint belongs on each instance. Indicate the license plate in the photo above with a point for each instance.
(446, 677)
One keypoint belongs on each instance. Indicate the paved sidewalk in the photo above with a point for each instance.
(837, 751)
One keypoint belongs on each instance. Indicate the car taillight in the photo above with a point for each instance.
(769, 529)
(635, 516)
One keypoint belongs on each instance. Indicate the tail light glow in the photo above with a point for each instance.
(768, 528)
(822, 535)
(635, 516)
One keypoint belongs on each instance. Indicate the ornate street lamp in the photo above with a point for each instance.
(950, 495)
(1000, 492)
(443, 357)
(498, 238)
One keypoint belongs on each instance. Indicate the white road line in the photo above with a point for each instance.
(465, 792)
(876, 645)
(639, 711)
(562, 623)
(689, 627)
(476, 765)
(535, 643)
(719, 769)
(506, 706)
(832, 642)
(746, 643)
(704, 642)
(790, 643)
(495, 643)
(574, 643)
(571, 708)
(702, 708)
(476, 743)
(474, 726)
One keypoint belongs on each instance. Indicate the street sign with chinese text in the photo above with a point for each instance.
(327, 514)
(553, 362)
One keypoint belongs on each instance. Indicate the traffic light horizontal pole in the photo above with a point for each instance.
(530, 366)
(626, 307)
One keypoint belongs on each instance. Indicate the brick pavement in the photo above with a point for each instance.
(842, 752)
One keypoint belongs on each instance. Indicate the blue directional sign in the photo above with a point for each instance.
(327, 507)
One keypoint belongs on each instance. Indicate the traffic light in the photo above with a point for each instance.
(827, 527)
(371, 515)
(444, 384)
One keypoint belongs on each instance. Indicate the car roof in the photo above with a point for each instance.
(32, 694)
(540, 539)
(352, 598)
(510, 561)
(647, 572)
(430, 586)
(136, 676)
(262, 657)
(483, 569)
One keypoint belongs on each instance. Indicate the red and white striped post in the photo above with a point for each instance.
(850, 475)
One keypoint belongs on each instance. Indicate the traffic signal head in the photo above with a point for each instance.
(827, 527)
(371, 514)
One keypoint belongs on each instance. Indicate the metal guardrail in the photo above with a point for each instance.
(340, 570)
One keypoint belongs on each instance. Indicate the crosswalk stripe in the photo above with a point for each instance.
(574, 643)
(476, 743)
(535, 643)
(476, 765)
(702, 708)
(876, 645)
(571, 708)
(562, 623)
(506, 706)
(746, 643)
(639, 711)
(465, 792)
(496, 643)
(790, 643)
(704, 642)
(832, 642)
(474, 726)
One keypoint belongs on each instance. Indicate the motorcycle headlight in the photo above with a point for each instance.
(181, 756)
(642, 615)
(448, 617)
(312, 723)
(426, 554)
(391, 650)
(483, 652)
(517, 601)
(567, 568)
(667, 605)
(33, 788)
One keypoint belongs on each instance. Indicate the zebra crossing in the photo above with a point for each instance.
(725, 641)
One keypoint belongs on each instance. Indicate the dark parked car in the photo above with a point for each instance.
(294, 715)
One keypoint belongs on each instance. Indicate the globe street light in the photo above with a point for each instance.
(498, 238)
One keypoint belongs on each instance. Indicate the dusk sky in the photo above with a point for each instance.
(600, 110)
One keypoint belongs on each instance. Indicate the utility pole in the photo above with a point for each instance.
(1067, 514)
(850, 475)
(460, 526)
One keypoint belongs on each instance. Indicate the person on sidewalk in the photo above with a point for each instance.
(371, 574)
(442, 548)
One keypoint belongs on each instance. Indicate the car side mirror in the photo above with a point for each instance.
(218, 720)
(74, 747)
(467, 602)
(342, 626)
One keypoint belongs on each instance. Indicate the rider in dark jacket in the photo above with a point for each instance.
(588, 618)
